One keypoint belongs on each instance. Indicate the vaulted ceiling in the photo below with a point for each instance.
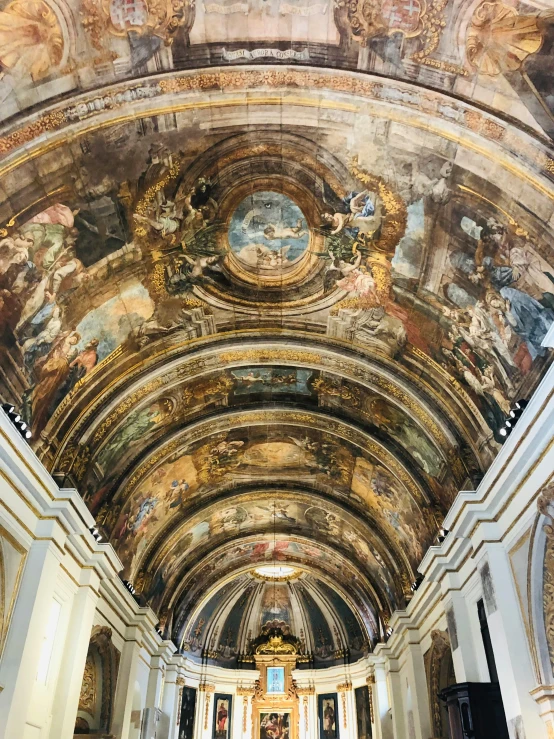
(272, 274)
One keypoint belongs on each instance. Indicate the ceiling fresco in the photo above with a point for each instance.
(496, 54)
(272, 275)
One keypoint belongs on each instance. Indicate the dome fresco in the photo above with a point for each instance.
(226, 627)
(268, 290)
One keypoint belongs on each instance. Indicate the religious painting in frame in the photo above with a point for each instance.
(275, 680)
(222, 716)
(327, 716)
(363, 712)
(188, 710)
(275, 725)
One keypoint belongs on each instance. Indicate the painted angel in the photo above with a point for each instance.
(364, 214)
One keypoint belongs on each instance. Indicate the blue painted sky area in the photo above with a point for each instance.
(272, 220)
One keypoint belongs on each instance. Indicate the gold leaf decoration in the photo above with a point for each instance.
(499, 40)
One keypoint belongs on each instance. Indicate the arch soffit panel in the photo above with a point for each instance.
(332, 519)
(90, 413)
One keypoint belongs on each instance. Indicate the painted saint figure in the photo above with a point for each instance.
(222, 716)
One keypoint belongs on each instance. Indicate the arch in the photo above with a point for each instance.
(439, 667)
(541, 587)
(99, 681)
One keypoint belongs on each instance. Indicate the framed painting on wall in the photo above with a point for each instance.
(188, 709)
(275, 725)
(275, 679)
(363, 712)
(222, 716)
(327, 714)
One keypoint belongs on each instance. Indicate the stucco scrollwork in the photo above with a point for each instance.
(87, 699)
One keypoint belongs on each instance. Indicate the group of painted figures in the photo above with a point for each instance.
(39, 269)
(497, 305)
(494, 309)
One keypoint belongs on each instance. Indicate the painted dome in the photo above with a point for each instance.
(302, 608)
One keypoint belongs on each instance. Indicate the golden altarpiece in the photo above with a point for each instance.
(275, 710)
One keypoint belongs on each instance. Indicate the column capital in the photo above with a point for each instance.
(343, 687)
(248, 690)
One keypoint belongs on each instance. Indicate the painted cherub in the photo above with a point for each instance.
(364, 216)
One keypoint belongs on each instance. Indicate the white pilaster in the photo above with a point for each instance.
(313, 729)
(347, 712)
(397, 705)
(156, 678)
(418, 682)
(124, 694)
(382, 704)
(199, 713)
(172, 694)
(374, 706)
(66, 700)
(464, 654)
(204, 713)
(20, 661)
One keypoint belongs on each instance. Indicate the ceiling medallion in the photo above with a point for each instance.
(269, 240)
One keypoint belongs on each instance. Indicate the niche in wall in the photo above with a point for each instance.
(94, 715)
(440, 675)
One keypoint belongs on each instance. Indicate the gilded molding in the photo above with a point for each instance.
(342, 690)
(244, 713)
(246, 690)
(207, 710)
(370, 697)
(125, 406)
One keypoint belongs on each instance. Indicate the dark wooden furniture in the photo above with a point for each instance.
(475, 711)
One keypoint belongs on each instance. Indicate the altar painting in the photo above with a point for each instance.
(275, 725)
(327, 715)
